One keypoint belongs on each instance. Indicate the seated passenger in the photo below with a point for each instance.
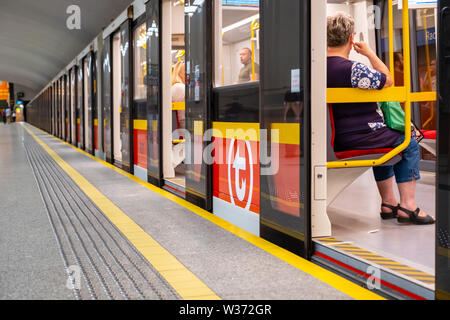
(361, 125)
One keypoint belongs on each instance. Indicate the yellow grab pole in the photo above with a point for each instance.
(253, 27)
(391, 39)
(407, 73)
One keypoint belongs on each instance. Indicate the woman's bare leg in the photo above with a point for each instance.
(386, 190)
(408, 198)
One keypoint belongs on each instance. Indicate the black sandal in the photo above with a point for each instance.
(389, 215)
(414, 217)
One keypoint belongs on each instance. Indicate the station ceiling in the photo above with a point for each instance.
(36, 43)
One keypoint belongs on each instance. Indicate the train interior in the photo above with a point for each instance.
(117, 97)
(173, 65)
(72, 107)
(357, 232)
(86, 79)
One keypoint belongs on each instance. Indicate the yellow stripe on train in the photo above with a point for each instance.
(140, 124)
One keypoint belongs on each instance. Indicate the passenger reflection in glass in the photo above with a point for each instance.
(360, 126)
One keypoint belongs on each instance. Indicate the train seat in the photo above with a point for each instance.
(341, 178)
(429, 141)
(178, 152)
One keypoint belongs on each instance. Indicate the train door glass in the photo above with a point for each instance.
(197, 111)
(235, 114)
(54, 115)
(284, 113)
(443, 183)
(425, 38)
(237, 42)
(140, 101)
(117, 97)
(68, 107)
(173, 96)
(60, 110)
(62, 90)
(73, 97)
(94, 114)
(106, 92)
(88, 63)
(154, 91)
(126, 120)
(80, 103)
(86, 98)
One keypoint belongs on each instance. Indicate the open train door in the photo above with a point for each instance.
(287, 97)
(126, 113)
(67, 110)
(79, 107)
(106, 91)
(88, 72)
(154, 157)
(198, 82)
(442, 284)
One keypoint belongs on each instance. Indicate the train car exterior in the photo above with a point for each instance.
(253, 151)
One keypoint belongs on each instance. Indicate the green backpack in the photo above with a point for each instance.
(394, 116)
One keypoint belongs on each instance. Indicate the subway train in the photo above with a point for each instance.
(225, 104)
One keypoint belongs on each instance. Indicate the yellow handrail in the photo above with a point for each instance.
(391, 39)
(405, 97)
(254, 26)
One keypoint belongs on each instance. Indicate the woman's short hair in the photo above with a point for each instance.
(339, 29)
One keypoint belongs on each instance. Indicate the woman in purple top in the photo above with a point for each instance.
(361, 125)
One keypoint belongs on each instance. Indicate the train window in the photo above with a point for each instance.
(140, 62)
(426, 69)
(398, 42)
(117, 97)
(86, 101)
(423, 60)
(236, 42)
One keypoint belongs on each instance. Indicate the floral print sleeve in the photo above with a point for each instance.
(364, 77)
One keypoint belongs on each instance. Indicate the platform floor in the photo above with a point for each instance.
(47, 224)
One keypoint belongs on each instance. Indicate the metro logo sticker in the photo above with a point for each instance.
(242, 165)
(236, 164)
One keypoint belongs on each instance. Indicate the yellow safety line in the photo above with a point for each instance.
(401, 268)
(353, 290)
(183, 281)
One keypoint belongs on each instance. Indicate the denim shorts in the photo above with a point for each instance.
(404, 170)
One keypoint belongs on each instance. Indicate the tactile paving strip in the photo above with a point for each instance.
(108, 265)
